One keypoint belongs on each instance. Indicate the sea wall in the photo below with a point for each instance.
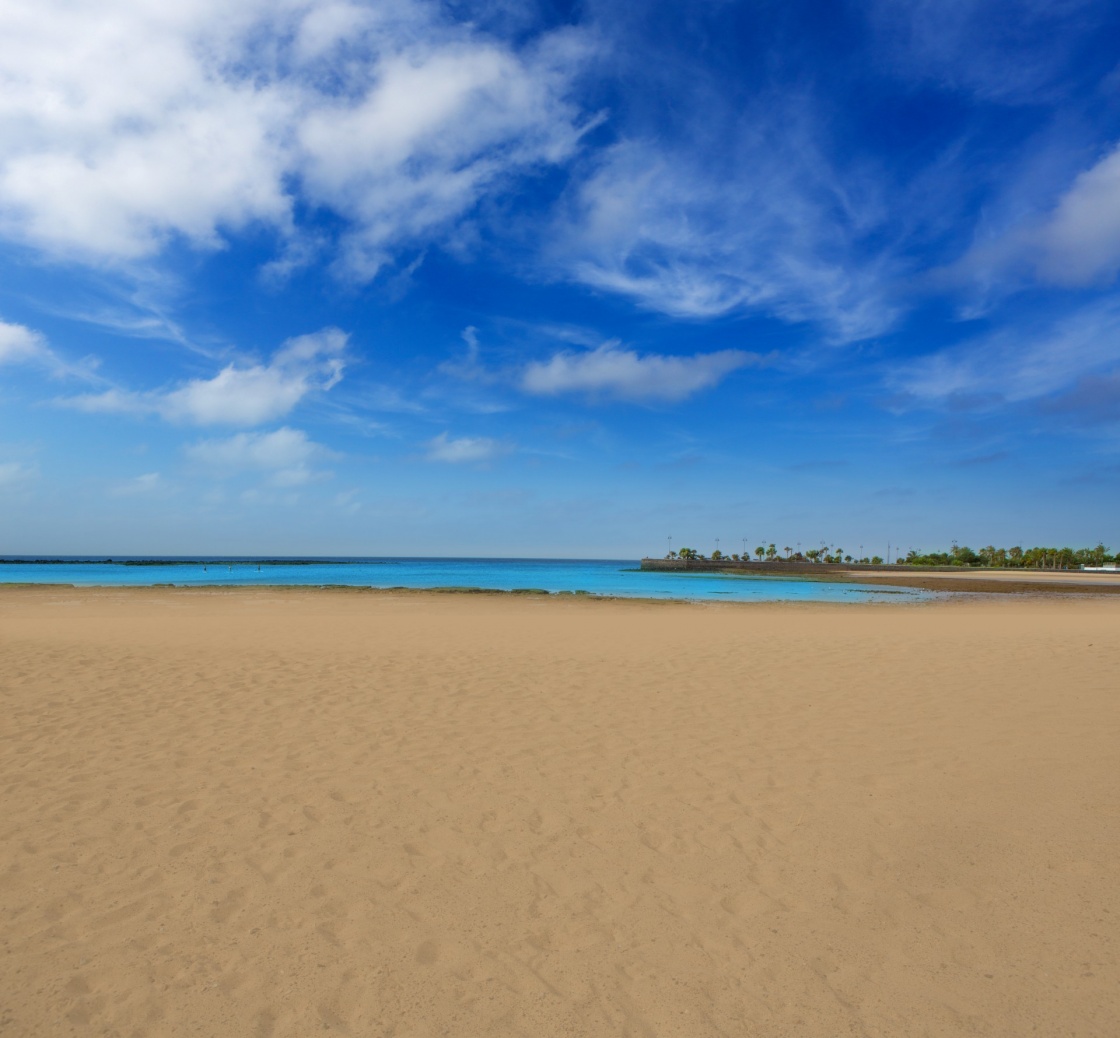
(730, 566)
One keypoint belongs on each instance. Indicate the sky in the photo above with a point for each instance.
(517, 278)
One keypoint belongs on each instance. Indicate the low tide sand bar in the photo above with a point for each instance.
(292, 812)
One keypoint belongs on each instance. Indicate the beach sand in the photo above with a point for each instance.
(254, 813)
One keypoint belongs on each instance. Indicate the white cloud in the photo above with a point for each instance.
(1052, 225)
(464, 449)
(1081, 239)
(286, 454)
(237, 395)
(1017, 364)
(611, 371)
(766, 223)
(19, 343)
(131, 123)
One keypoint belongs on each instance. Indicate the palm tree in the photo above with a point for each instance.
(760, 551)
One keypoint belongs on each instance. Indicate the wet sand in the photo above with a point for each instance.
(298, 812)
(994, 581)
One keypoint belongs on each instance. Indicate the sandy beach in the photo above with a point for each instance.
(255, 813)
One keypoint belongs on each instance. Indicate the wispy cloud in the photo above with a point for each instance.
(237, 395)
(611, 371)
(1014, 52)
(14, 474)
(767, 224)
(22, 345)
(149, 484)
(1017, 364)
(467, 366)
(465, 449)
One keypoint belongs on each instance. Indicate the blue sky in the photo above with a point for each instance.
(504, 278)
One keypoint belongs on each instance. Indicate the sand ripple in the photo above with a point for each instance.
(291, 813)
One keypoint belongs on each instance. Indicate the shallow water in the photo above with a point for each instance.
(620, 577)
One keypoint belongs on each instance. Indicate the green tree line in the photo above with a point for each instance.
(989, 557)
(992, 557)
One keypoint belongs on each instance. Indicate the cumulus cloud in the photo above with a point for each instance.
(615, 372)
(464, 449)
(237, 395)
(19, 343)
(286, 454)
(133, 123)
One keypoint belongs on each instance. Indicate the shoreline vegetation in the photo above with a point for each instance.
(958, 556)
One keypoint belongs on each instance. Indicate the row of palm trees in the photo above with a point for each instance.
(959, 555)
(771, 553)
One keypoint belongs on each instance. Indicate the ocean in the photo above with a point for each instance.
(617, 577)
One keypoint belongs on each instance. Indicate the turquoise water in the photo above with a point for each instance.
(596, 576)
